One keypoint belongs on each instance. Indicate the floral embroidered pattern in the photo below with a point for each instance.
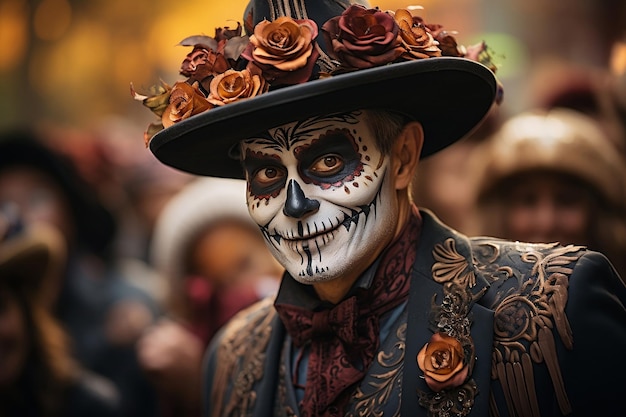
(529, 307)
(371, 404)
(450, 320)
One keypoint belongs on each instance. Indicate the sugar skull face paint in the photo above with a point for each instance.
(322, 195)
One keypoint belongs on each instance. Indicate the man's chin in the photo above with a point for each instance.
(303, 277)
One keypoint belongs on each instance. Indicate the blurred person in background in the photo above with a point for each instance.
(100, 311)
(38, 376)
(553, 176)
(442, 182)
(216, 262)
(133, 185)
(595, 92)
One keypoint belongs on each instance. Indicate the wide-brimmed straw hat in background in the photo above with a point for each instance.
(330, 57)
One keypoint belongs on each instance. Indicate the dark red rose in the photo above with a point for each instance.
(203, 62)
(447, 41)
(363, 38)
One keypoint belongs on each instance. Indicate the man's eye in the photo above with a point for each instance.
(327, 165)
(268, 176)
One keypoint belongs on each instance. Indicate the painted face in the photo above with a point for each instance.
(321, 192)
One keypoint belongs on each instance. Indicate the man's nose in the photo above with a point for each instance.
(297, 205)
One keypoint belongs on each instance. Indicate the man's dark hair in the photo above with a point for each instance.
(386, 127)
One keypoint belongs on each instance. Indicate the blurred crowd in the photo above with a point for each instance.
(116, 271)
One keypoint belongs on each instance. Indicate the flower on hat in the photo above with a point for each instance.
(363, 38)
(416, 37)
(185, 101)
(234, 85)
(284, 49)
(230, 66)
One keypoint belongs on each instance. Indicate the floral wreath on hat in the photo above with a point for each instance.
(230, 66)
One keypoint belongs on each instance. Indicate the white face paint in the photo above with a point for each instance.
(322, 194)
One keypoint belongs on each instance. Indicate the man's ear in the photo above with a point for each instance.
(406, 153)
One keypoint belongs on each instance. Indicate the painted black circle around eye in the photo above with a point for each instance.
(330, 159)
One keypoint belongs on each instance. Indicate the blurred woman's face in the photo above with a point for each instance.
(13, 338)
(231, 254)
(544, 208)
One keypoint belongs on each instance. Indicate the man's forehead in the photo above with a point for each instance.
(290, 133)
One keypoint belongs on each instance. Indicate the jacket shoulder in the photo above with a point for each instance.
(235, 357)
(528, 293)
(498, 260)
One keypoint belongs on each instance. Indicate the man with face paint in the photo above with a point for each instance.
(383, 310)
(325, 197)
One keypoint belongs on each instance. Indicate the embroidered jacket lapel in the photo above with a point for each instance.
(456, 253)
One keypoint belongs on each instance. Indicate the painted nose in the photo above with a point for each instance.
(297, 205)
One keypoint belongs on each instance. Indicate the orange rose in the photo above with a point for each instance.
(442, 361)
(235, 85)
(284, 49)
(416, 37)
(185, 101)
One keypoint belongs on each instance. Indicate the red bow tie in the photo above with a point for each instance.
(305, 325)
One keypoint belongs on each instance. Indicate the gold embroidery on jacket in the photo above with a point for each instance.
(281, 408)
(524, 319)
(240, 358)
(386, 384)
(451, 266)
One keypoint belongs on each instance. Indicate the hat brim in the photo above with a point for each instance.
(448, 96)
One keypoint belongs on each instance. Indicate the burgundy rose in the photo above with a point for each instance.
(447, 41)
(203, 62)
(284, 49)
(363, 38)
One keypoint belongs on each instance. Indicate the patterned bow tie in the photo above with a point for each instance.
(305, 325)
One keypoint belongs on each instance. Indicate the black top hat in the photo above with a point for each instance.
(449, 95)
